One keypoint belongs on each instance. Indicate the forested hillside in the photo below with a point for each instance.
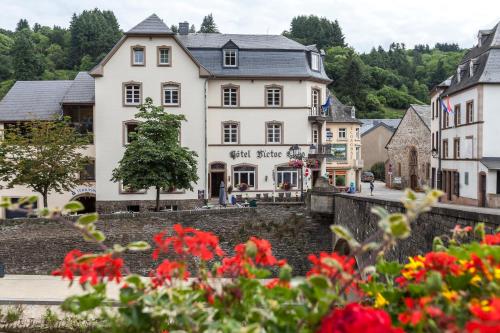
(380, 83)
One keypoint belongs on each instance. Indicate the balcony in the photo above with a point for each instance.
(320, 151)
(358, 164)
(316, 114)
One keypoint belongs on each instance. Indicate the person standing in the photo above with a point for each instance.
(222, 194)
(372, 186)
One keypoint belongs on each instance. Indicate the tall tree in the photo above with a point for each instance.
(314, 30)
(208, 25)
(22, 24)
(94, 33)
(45, 156)
(192, 29)
(28, 64)
(439, 75)
(155, 157)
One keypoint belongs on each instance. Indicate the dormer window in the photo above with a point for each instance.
(315, 61)
(459, 70)
(138, 55)
(471, 68)
(230, 57)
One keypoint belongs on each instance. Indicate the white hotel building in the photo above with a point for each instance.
(465, 142)
(247, 100)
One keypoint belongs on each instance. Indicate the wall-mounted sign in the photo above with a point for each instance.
(339, 152)
(397, 180)
(261, 153)
(82, 190)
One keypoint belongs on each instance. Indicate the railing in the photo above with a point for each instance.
(317, 112)
(321, 150)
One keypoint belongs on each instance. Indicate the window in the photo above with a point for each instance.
(445, 148)
(230, 133)
(458, 115)
(129, 130)
(498, 181)
(230, 58)
(88, 173)
(329, 134)
(427, 170)
(138, 55)
(469, 112)
(230, 96)
(315, 136)
(286, 175)
(433, 106)
(82, 118)
(466, 178)
(273, 96)
(456, 148)
(456, 183)
(274, 132)
(315, 61)
(342, 133)
(433, 146)
(358, 153)
(357, 133)
(132, 94)
(315, 100)
(171, 94)
(244, 174)
(125, 189)
(164, 55)
(446, 120)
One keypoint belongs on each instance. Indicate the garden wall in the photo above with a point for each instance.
(37, 246)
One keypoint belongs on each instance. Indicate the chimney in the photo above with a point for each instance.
(183, 28)
(353, 112)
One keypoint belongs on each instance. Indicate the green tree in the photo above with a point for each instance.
(314, 30)
(174, 28)
(192, 29)
(45, 156)
(378, 170)
(93, 32)
(22, 24)
(208, 25)
(155, 157)
(439, 75)
(27, 63)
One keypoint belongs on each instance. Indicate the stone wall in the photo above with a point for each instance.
(37, 246)
(353, 212)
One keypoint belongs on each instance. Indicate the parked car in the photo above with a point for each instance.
(367, 177)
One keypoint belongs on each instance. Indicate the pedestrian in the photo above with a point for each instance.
(372, 186)
(222, 194)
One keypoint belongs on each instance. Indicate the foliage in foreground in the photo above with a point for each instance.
(454, 288)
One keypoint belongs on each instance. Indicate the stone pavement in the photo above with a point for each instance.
(384, 193)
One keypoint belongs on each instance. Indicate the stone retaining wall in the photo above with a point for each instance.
(37, 246)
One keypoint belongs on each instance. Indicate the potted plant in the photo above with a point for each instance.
(286, 186)
(243, 187)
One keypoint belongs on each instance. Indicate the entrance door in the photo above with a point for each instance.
(482, 189)
(88, 202)
(315, 176)
(413, 168)
(215, 179)
(413, 182)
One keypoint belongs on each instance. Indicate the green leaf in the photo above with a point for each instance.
(319, 281)
(380, 212)
(138, 246)
(135, 280)
(341, 232)
(74, 206)
(118, 248)
(79, 304)
(87, 219)
(399, 226)
(44, 212)
(6, 203)
(434, 282)
(390, 268)
(98, 236)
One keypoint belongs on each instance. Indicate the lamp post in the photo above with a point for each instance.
(295, 153)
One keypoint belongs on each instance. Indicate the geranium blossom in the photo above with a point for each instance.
(168, 270)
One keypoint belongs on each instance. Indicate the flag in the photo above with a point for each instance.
(448, 104)
(443, 106)
(327, 105)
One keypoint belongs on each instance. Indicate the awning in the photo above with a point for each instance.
(492, 163)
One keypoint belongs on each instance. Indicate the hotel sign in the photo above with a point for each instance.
(83, 190)
(261, 153)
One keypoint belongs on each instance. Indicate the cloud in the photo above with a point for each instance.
(366, 23)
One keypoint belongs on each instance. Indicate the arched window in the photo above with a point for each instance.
(245, 174)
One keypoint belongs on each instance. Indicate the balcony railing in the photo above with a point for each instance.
(317, 113)
(320, 151)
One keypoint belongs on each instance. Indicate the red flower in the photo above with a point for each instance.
(492, 239)
(416, 311)
(357, 318)
(329, 264)
(278, 283)
(168, 270)
(188, 241)
(487, 317)
(90, 267)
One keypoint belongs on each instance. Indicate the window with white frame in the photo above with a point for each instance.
(342, 133)
(286, 175)
(164, 56)
(315, 136)
(274, 133)
(273, 96)
(315, 61)
(230, 96)
(230, 57)
(132, 94)
(315, 100)
(129, 131)
(138, 56)
(244, 174)
(358, 152)
(230, 132)
(357, 133)
(171, 94)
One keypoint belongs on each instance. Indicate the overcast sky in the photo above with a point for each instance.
(365, 23)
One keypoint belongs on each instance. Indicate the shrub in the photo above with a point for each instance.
(378, 170)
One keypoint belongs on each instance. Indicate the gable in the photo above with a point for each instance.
(230, 45)
(412, 129)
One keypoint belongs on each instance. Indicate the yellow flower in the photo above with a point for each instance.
(497, 273)
(380, 301)
(475, 280)
(450, 295)
(415, 264)
(485, 306)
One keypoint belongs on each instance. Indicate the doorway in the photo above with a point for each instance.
(88, 201)
(482, 190)
(413, 168)
(215, 179)
(315, 176)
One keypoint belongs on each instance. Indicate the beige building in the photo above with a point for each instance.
(409, 150)
(375, 133)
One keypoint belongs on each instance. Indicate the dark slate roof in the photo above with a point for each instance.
(81, 91)
(340, 113)
(424, 111)
(258, 55)
(33, 100)
(492, 163)
(485, 59)
(252, 42)
(153, 25)
(369, 124)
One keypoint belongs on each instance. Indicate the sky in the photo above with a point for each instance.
(365, 23)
